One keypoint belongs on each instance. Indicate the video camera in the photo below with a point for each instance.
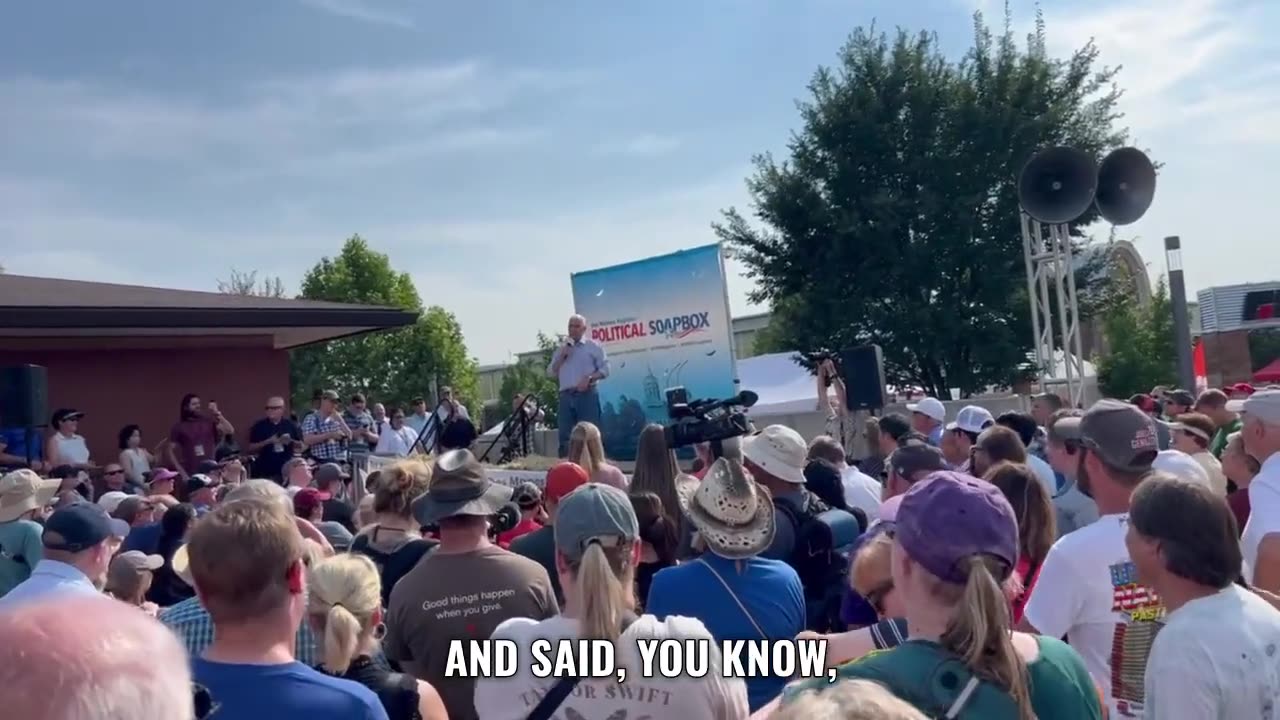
(696, 421)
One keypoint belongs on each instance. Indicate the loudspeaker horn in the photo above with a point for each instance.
(1126, 185)
(1056, 185)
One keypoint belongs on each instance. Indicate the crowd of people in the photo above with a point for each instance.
(1119, 561)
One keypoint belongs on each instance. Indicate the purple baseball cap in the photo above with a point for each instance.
(950, 516)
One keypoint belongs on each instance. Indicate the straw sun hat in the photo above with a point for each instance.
(732, 514)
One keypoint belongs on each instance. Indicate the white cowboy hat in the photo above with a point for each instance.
(732, 513)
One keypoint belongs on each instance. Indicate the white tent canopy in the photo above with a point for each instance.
(1060, 366)
(784, 387)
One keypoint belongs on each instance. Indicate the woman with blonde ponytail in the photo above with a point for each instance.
(586, 448)
(955, 543)
(344, 606)
(598, 546)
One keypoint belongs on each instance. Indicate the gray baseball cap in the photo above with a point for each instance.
(1121, 435)
(594, 513)
(914, 458)
(1065, 428)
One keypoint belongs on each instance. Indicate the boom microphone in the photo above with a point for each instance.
(507, 517)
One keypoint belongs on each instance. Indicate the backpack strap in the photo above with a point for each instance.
(764, 635)
(932, 679)
(559, 692)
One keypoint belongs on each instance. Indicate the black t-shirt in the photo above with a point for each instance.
(392, 564)
(341, 512)
(270, 461)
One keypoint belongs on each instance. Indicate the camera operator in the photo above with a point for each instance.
(840, 424)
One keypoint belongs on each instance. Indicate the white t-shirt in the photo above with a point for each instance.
(1088, 591)
(396, 442)
(861, 491)
(1216, 658)
(1264, 512)
(708, 698)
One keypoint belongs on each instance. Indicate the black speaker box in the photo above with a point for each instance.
(863, 370)
(24, 396)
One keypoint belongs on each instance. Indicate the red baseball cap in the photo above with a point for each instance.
(305, 502)
(564, 478)
(1243, 388)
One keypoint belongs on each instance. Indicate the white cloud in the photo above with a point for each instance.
(1187, 65)
(362, 10)
(643, 145)
(354, 116)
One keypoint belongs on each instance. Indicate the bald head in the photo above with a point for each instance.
(259, 489)
(91, 658)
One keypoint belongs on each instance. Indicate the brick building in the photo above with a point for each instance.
(125, 354)
(1240, 331)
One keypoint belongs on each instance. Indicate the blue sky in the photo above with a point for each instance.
(493, 147)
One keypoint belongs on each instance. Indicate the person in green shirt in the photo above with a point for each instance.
(24, 498)
(955, 542)
(1214, 403)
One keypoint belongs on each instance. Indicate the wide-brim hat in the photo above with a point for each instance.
(779, 451)
(22, 491)
(459, 487)
(732, 513)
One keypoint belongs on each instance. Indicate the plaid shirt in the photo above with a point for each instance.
(194, 628)
(329, 450)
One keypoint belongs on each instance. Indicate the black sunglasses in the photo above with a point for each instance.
(875, 596)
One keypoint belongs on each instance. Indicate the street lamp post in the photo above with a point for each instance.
(1178, 298)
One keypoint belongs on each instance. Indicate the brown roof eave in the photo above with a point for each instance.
(116, 317)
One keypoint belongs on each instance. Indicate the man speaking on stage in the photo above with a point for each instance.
(579, 364)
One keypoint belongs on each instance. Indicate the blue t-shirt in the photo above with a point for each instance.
(283, 692)
(144, 538)
(769, 589)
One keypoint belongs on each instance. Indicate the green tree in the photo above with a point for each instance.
(895, 219)
(390, 367)
(1141, 349)
(530, 375)
(247, 283)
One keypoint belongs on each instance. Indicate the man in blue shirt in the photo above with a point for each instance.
(79, 540)
(257, 601)
(579, 364)
(734, 592)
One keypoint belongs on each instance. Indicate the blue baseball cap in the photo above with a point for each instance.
(79, 526)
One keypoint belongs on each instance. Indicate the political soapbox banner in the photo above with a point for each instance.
(664, 322)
